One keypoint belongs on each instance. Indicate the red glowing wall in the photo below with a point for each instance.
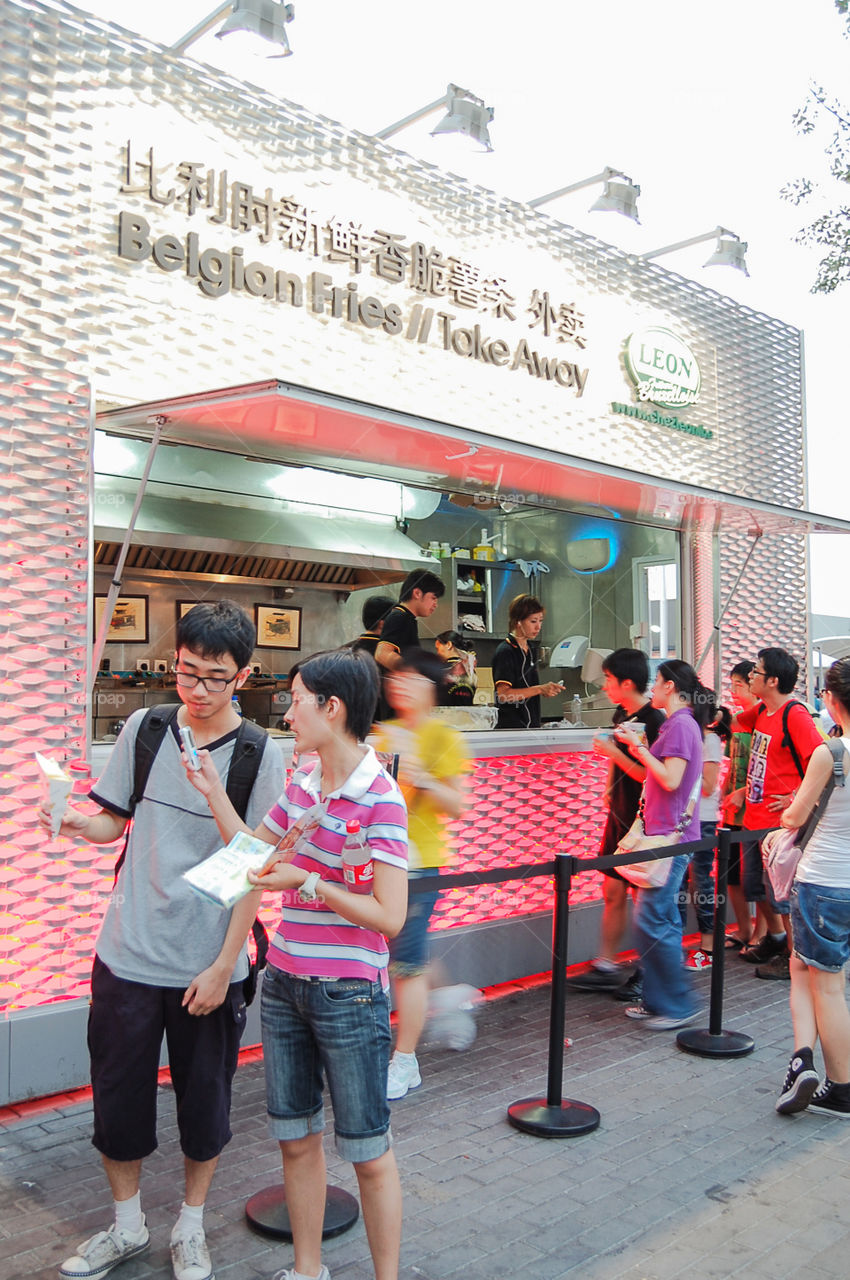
(522, 809)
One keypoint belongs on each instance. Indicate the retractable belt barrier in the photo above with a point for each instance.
(557, 1117)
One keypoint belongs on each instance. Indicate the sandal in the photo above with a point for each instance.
(734, 943)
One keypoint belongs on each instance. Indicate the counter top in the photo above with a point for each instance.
(528, 742)
(483, 743)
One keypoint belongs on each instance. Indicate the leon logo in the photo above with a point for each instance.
(662, 367)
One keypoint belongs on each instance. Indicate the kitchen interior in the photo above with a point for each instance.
(301, 548)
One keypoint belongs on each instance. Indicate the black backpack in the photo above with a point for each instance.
(244, 765)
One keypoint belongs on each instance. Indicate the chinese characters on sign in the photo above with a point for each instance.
(199, 190)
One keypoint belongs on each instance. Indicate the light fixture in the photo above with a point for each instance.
(465, 115)
(366, 495)
(589, 555)
(729, 251)
(618, 196)
(265, 19)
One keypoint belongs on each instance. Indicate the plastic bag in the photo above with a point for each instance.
(451, 1015)
(781, 854)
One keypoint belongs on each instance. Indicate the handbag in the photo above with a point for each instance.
(782, 850)
(655, 872)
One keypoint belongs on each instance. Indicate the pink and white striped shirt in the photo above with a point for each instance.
(311, 940)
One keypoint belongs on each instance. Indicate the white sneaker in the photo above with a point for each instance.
(402, 1076)
(324, 1274)
(97, 1256)
(190, 1257)
(638, 1012)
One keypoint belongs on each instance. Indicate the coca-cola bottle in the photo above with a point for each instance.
(356, 859)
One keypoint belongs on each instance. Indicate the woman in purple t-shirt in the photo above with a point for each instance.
(673, 775)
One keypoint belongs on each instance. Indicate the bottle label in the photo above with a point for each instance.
(358, 877)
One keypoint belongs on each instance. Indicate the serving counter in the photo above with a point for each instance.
(532, 793)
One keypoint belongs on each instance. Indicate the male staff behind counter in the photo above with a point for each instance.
(418, 598)
(515, 674)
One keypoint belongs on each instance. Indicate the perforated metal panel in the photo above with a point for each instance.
(770, 603)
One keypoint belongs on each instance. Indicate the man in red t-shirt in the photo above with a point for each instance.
(784, 737)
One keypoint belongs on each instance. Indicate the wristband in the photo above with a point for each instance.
(308, 891)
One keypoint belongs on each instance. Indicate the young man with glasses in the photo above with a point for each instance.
(784, 737)
(166, 962)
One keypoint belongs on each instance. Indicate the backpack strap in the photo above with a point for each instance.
(149, 738)
(835, 779)
(836, 746)
(245, 764)
(787, 740)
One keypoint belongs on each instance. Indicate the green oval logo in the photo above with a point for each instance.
(662, 367)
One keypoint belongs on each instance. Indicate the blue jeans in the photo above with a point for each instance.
(658, 927)
(702, 881)
(409, 948)
(314, 1027)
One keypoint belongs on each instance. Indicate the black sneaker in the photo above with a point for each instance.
(777, 970)
(764, 950)
(832, 1100)
(801, 1081)
(632, 990)
(594, 979)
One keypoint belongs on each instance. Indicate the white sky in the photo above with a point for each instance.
(694, 102)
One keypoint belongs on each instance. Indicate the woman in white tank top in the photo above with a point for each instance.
(820, 919)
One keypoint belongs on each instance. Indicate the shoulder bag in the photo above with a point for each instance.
(654, 873)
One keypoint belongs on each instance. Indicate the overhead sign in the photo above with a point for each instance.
(663, 367)
(413, 273)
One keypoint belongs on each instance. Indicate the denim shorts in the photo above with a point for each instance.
(820, 922)
(312, 1029)
(409, 948)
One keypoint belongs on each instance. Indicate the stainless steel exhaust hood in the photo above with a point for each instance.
(214, 524)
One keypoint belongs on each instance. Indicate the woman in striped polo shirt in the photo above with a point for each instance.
(324, 1000)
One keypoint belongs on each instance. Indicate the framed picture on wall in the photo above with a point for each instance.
(183, 606)
(129, 624)
(278, 626)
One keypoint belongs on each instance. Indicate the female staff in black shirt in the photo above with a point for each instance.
(515, 674)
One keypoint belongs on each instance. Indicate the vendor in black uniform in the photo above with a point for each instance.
(420, 594)
(373, 613)
(515, 675)
(419, 597)
(459, 658)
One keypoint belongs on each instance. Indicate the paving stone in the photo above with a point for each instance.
(690, 1173)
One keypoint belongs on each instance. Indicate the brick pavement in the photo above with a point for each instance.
(691, 1172)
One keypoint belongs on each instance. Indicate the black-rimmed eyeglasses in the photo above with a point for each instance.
(212, 684)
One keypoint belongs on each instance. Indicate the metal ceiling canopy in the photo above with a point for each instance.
(278, 421)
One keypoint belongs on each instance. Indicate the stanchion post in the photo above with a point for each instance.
(715, 1042)
(718, 963)
(554, 1117)
(558, 996)
(268, 1213)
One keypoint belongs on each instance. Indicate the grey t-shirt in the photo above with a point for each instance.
(157, 930)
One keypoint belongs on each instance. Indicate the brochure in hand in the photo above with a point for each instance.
(222, 878)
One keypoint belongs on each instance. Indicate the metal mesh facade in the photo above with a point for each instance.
(770, 605)
(75, 316)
